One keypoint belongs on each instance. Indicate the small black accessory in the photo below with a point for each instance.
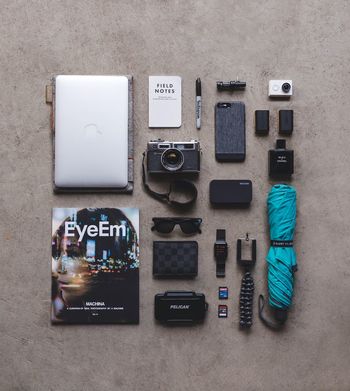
(286, 122)
(247, 285)
(188, 225)
(230, 85)
(177, 186)
(281, 161)
(180, 307)
(220, 252)
(175, 259)
(223, 293)
(230, 132)
(222, 311)
(231, 193)
(262, 122)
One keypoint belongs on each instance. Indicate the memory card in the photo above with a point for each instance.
(223, 293)
(222, 311)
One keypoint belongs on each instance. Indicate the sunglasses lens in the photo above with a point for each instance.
(189, 227)
(164, 227)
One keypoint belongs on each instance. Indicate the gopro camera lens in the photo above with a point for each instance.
(172, 159)
(286, 87)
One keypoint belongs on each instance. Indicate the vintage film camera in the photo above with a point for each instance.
(169, 157)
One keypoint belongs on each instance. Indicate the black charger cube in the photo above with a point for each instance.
(234, 193)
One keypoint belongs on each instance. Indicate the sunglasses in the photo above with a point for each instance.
(188, 225)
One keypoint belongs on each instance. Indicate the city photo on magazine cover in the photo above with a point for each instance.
(95, 265)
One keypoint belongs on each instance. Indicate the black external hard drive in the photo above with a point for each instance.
(235, 193)
(230, 132)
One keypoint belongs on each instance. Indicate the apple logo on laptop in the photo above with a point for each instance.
(92, 131)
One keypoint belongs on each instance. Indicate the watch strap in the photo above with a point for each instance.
(220, 269)
(220, 262)
(221, 234)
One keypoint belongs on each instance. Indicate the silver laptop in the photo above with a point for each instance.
(91, 131)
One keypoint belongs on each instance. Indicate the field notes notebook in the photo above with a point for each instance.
(164, 102)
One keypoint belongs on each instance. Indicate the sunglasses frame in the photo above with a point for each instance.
(178, 221)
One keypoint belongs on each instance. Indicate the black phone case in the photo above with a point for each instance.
(230, 131)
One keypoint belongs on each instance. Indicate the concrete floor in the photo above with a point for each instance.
(306, 41)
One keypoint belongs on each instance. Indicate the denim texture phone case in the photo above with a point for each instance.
(230, 132)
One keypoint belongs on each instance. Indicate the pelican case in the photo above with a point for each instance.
(180, 307)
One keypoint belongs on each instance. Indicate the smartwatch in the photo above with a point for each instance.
(220, 252)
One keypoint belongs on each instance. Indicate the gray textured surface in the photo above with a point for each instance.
(307, 41)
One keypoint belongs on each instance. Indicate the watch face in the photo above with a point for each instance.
(220, 249)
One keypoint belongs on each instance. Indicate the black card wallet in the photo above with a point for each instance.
(175, 259)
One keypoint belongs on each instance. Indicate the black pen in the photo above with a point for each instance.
(198, 103)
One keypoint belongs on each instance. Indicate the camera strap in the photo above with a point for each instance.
(178, 186)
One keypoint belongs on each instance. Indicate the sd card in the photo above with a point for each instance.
(222, 311)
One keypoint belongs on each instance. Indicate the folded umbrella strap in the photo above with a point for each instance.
(280, 319)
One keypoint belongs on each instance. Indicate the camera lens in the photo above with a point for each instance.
(172, 159)
(286, 87)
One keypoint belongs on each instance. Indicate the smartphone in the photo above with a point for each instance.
(230, 131)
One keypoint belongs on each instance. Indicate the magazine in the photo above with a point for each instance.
(95, 265)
